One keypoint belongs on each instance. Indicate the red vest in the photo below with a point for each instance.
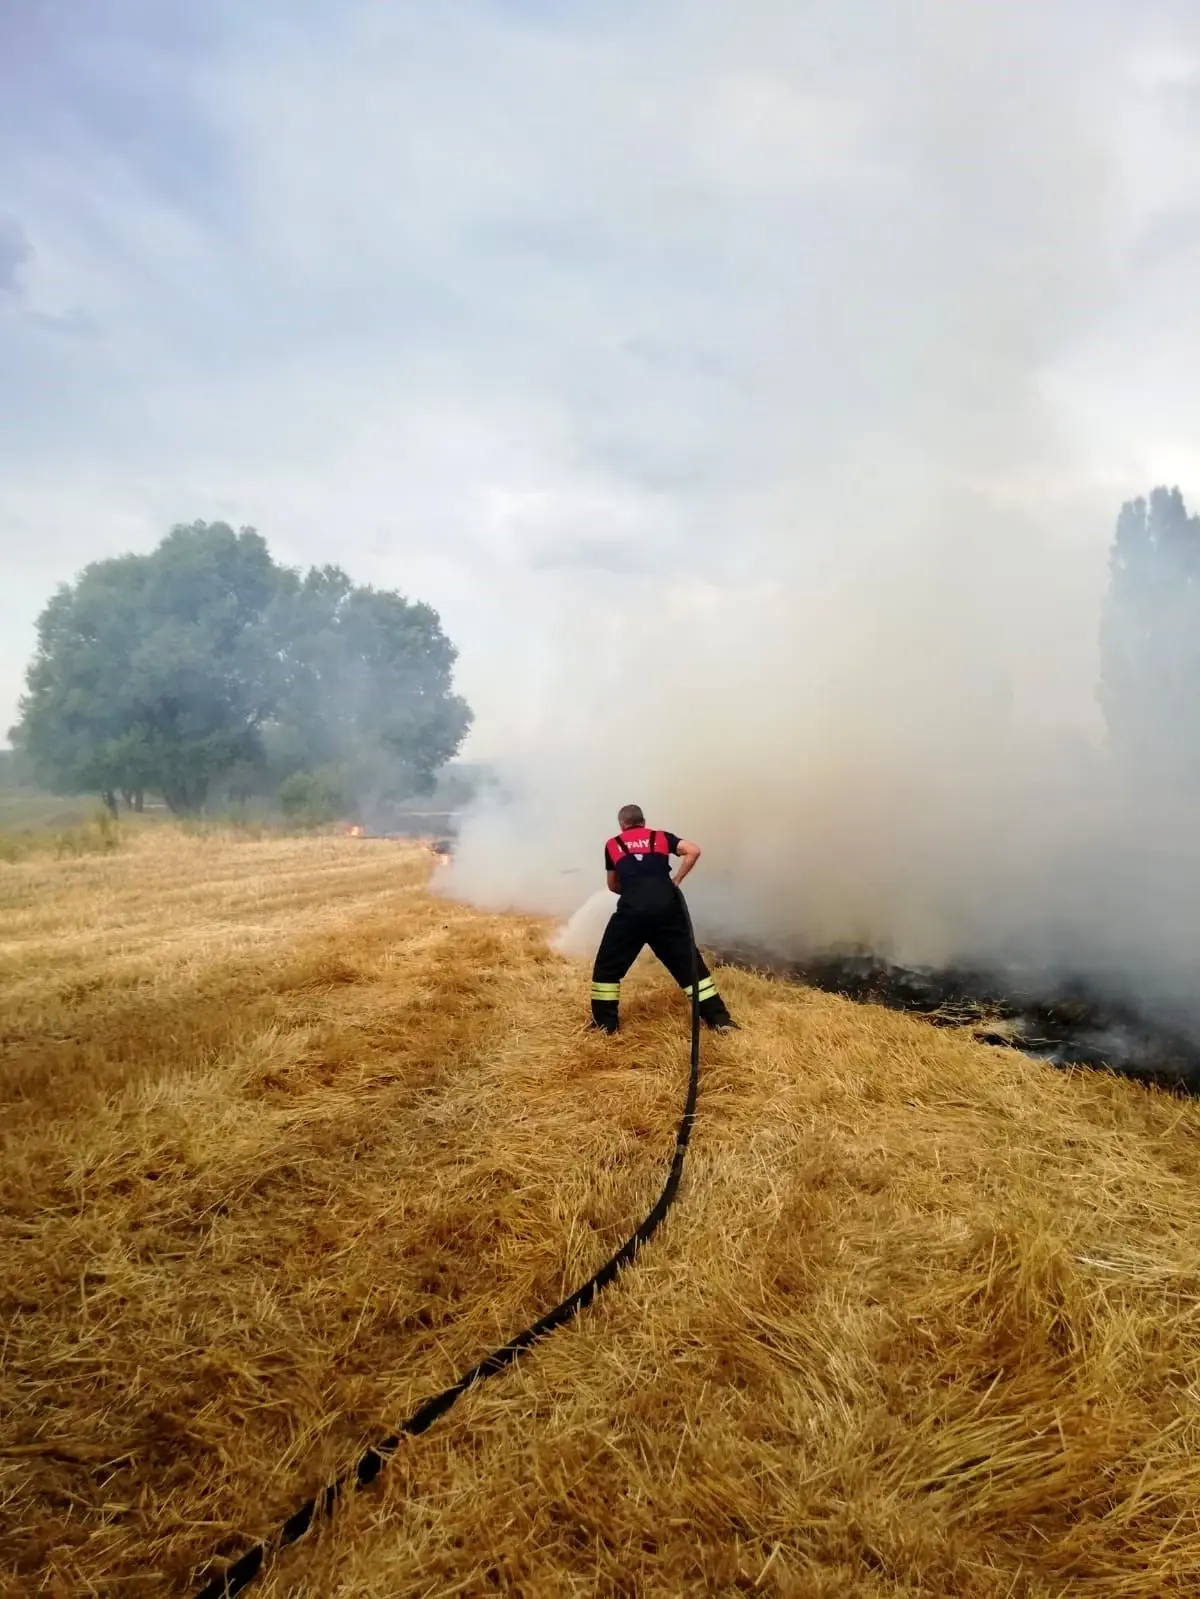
(636, 841)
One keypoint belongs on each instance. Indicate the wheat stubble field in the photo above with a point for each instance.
(288, 1141)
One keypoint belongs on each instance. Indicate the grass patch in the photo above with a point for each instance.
(24, 810)
(101, 834)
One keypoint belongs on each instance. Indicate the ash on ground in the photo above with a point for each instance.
(1069, 1023)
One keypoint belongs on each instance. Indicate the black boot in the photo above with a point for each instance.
(604, 1016)
(715, 1017)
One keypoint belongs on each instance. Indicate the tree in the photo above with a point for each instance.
(368, 688)
(154, 671)
(1150, 643)
(72, 717)
(313, 798)
(203, 673)
(15, 772)
(205, 661)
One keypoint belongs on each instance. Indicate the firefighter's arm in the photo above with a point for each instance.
(689, 854)
(614, 886)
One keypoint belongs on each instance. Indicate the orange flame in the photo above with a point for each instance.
(354, 832)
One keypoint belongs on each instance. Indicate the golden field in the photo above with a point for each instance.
(288, 1142)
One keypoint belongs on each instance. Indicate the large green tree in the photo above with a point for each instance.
(155, 671)
(368, 687)
(1150, 643)
(170, 671)
(74, 716)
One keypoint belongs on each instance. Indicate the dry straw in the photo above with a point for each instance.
(288, 1143)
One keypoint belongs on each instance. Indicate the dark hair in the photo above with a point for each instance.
(631, 816)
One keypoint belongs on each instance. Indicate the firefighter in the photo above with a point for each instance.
(649, 911)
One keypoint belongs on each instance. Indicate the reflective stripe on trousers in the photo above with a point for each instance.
(707, 989)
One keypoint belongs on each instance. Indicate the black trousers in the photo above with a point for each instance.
(628, 932)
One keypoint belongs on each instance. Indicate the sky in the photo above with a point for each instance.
(566, 316)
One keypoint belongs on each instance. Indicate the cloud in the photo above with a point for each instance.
(15, 252)
(74, 324)
(520, 307)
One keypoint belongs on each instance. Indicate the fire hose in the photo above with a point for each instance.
(238, 1576)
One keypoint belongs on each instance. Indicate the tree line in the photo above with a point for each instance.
(205, 669)
(1150, 645)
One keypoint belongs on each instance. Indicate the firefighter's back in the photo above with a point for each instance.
(641, 859)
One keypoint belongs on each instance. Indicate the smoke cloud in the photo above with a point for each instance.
(856, 661)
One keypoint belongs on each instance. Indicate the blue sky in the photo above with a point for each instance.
(543, 311)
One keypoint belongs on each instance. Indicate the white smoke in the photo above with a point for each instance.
(860, 670)
(580, 934)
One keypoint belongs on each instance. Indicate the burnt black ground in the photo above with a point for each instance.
(1067, 1023)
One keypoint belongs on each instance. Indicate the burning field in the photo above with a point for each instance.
(1068, 1023)
(289, 1141)
(442, 849)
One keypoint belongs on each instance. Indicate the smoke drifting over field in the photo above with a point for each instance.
(858, 662)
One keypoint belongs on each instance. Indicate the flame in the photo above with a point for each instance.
(354, 832)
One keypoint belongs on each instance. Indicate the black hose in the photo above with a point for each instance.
(234, 1578)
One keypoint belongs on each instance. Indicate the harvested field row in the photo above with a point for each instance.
(288, 1142)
